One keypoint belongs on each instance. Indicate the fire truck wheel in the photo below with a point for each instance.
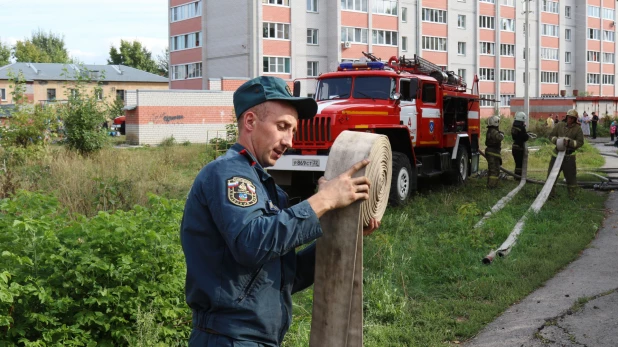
(403, 182)
(459, 170)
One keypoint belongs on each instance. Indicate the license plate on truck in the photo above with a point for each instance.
(306, 162)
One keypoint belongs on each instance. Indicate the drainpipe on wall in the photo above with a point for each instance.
(601, 53)
(419, 35)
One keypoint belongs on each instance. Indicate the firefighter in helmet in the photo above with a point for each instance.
(573, 137)
(520, 136)
(493, 140)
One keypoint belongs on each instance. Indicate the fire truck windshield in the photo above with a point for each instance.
(370, 87)
(334, 88)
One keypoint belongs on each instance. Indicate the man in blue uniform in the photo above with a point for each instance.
(238, 233)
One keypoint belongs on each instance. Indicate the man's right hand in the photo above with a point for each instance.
(340, 191)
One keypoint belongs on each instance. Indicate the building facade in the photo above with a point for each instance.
(572, 45)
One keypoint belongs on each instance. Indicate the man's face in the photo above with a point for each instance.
(571, 120)
(273, 132)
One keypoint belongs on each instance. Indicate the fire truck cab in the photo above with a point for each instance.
(430, 119)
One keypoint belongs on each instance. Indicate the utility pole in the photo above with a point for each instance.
(527, 62)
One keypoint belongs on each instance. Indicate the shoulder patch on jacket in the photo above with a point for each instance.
(241, 192)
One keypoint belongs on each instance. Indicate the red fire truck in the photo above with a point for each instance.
(430, 118)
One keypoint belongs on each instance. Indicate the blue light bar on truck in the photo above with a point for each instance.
(372, 65)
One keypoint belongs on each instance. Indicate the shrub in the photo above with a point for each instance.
(90, 281)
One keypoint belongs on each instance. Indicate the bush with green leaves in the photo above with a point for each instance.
(114, 279)
(84, 115)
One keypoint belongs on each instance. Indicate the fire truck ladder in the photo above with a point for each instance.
(421, 66)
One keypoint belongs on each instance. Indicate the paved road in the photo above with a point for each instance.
(551, 315)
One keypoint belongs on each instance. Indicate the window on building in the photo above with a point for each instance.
(507, 75)
(609, 35)
(567, 57)
(120, 94)
(186, 71)
(524, 77)
(357, 35)
(73, 93)
(276, 31)
(461, 21)
(505, 99)
(507, 50)
(98, 93)
(507, 2)
(462, 74)
(487, 22)
(567, 34)
(461, 48)
(508, 24)
(488, 1)
(549, 77)
(383, 37)
(187, 41)
(312, 5)
(312, 69)
(524, 54)
(550, 30)
(431, 43)
(385, 7)
(276, 65)
(608, 13)
(567, 80)
(550, 6)
(311, 95)
(186, 11)
(312, 36)
(486, 74)
(486, 100)
(594, 56)
(608, 58)
(487, 48)
(567, 11)
(594, 11)
(594, 78)
(404, 43)
(404, 14)
(434, 16)
(354, 5)
(277, 2)
(608, 79)
(51, 94)
(594, 34)
(549, 53)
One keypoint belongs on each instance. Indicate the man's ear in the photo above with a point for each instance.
(249, 120)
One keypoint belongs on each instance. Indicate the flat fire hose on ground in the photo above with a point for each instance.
(502, 202)
(338, 290)
(540, 200)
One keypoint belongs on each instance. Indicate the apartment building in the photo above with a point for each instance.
(572, 42)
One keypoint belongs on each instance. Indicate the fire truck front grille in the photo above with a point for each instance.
(313, 132)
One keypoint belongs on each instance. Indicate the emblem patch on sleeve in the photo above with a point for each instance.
(241, 192)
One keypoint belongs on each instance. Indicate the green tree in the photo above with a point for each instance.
(5, 54)
(133, 54)
(42, 48)
(163, 62)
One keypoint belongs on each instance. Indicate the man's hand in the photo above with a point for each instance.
(341, 191)
(373, 225)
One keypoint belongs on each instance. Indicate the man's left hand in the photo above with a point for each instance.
(373, 225)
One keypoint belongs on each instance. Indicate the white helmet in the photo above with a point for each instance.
(493, 121)
(520, 116)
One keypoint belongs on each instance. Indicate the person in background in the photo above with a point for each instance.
(238, 233)
(520, 136)
(585, 124)
(550, 120)
(593, 122)
(493, 141)
(612, 130)
(572, 134)
(556, 119)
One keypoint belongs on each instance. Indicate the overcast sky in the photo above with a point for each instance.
(89, 27)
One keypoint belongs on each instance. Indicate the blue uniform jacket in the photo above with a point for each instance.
(239, 239)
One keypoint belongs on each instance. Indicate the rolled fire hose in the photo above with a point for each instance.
(338, 290)
(507, 245)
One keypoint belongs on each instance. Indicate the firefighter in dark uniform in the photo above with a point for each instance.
(573, 136)
(239, 235)
(520, 136)
(493, 141)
